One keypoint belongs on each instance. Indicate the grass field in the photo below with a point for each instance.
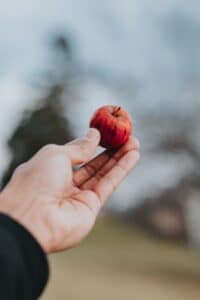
(117, 262)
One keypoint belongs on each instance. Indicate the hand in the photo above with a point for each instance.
(57, 205)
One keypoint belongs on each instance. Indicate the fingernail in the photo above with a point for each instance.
(93, 134)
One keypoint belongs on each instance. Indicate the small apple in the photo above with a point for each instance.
(115, 125)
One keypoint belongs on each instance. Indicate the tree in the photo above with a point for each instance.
(46, 124)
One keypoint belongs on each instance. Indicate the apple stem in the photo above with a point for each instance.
(117, 110)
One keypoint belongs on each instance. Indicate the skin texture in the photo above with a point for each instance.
(115, 125)
(58, 205)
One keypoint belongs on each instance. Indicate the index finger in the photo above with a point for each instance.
(107, 185)
(103, 162)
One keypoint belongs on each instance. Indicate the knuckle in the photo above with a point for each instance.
(90, 169)
(51, 148)
(21, 168)
(100, 174)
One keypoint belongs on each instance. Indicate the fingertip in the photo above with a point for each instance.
(134, 157)
(134, 143)
(94, 135)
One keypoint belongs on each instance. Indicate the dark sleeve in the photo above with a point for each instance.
(23, 264)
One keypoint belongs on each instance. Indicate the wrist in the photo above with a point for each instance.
(5, 205)
(15, 209)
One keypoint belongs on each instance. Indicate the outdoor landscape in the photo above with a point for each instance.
(142, 55)
(119, 262)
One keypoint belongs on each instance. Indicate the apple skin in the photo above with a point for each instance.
(114, 124)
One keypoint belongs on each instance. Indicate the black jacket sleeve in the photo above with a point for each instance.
(23, 265)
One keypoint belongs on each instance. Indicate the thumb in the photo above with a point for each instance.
(81, 150)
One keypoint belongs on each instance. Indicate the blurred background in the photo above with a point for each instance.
(59, 61)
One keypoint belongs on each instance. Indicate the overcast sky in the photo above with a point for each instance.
(115, 35)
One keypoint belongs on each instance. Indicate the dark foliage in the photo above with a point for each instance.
(42, 126)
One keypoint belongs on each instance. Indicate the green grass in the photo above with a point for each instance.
(119, 262)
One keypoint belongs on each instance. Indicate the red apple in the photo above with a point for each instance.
(115, 125)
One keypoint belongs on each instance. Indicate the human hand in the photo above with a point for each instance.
(58, 205)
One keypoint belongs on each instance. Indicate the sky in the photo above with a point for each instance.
(131, 28)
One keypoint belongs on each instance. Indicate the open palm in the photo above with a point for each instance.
(58, 204)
